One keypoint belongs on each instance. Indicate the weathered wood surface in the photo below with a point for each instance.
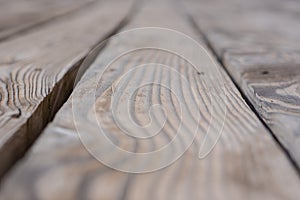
(20, 15)
(258, 42)
(245, 163)
(37, 71)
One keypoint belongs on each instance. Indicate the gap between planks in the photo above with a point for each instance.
(250, 104)
(27, 27)
(25, 135)
(275, 118)
(246, 161)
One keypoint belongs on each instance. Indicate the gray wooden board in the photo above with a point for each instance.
(18, 15)
(258, 42)
(37, 71)
(246, 163)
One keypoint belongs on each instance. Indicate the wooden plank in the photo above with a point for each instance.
(20, 15)
(246, 162)
(257, 42)
(38, 69)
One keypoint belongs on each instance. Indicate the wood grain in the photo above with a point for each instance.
(245, 163)
(257, 42)
(38, 69)
(18, 15)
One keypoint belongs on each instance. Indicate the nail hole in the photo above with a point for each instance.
(17, 115)
(264, 72)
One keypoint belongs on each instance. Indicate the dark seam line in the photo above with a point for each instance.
(193, 23)
(86, 61)
(43, 22)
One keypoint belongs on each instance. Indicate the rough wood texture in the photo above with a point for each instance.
(20, 15)
(246, 162)
(37, 71)
(258, 42)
